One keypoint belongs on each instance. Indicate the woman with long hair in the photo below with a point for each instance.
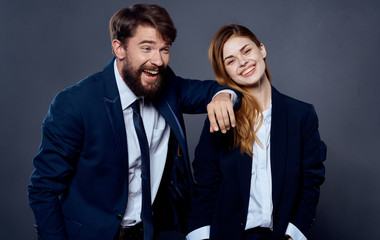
(262, 179)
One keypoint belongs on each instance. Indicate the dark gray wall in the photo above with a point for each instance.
(321, 51)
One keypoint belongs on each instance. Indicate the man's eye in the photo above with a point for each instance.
(166, 50)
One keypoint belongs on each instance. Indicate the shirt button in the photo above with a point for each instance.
(119, 217)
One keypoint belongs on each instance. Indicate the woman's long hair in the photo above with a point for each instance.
(249, 114)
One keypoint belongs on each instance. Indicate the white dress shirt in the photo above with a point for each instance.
(260, 200)
(260, 207)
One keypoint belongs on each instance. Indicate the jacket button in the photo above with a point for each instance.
(119, 217)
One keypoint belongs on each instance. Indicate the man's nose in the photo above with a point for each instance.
(156, 58)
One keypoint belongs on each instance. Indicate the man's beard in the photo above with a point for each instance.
(133, 79)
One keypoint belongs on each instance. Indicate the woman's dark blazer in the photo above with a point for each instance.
(223, 175)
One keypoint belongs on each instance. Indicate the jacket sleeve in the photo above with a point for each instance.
(55, 165)
(312, 174)
(207, 176)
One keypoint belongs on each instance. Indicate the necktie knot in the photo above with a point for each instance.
(136, 106)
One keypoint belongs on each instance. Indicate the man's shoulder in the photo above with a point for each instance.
(87, 82)
(92, 81)
(84, 91)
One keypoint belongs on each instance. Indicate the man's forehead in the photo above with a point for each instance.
(148, 34)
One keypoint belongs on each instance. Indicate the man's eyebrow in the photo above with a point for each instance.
(241, 50)
(153, 42)
(146, 41)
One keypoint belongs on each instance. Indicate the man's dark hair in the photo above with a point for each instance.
(124, 23)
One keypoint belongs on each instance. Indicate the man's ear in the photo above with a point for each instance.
(263, 50)
(118, 49)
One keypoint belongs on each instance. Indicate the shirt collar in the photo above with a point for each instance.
(267, 114)
(127, 97)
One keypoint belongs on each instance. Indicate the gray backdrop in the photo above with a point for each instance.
(321, 51)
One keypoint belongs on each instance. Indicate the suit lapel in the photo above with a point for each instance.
(167, 112)
(278, 143)
(115, 113)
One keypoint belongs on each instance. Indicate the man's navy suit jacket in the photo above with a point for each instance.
(223, 175)
(79, 188)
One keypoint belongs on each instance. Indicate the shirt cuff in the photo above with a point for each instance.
(199, 233)
(294, 232)
(232, 93)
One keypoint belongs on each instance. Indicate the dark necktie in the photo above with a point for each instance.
(146, 213)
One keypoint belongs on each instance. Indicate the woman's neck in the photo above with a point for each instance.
(263, 94)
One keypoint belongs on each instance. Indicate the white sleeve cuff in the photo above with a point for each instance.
(199, 233)
(294, 232)
(232, 93)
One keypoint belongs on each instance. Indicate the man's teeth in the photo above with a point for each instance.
(151, 72)
(248, 70)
